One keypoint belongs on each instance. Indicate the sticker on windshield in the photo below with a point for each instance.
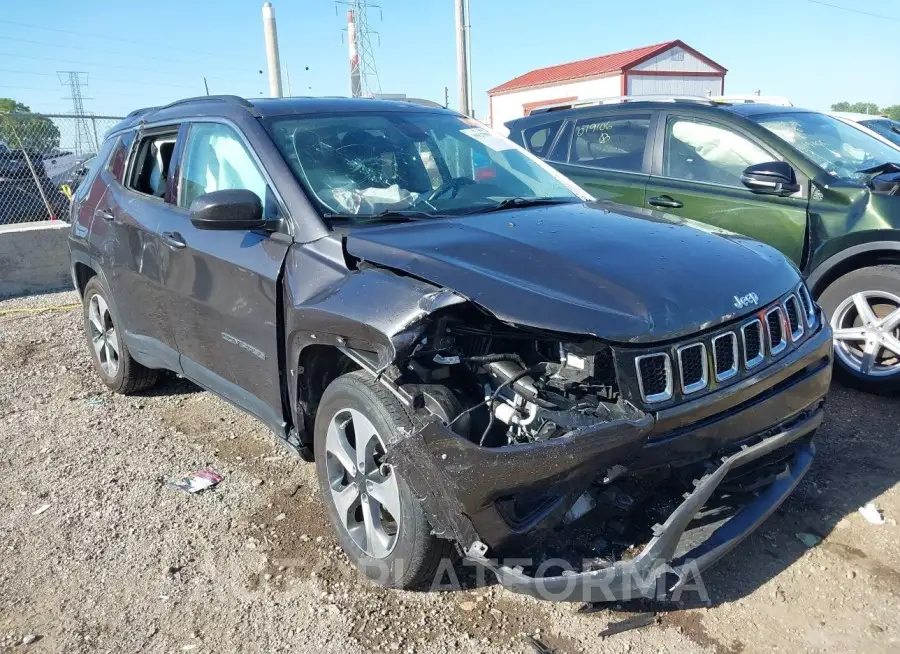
(493, 141)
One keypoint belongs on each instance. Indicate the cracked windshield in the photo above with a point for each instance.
(369, 166)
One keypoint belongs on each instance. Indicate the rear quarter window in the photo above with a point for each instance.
(539, 138)
(99, 163)
(119, 156)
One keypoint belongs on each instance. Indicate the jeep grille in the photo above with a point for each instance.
(728, 354)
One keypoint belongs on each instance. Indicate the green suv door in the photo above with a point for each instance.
(696, 173)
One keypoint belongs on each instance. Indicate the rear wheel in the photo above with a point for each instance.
(863, 308)
(109, 353)
(378, 521)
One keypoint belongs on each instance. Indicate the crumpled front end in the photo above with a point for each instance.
(529, 444)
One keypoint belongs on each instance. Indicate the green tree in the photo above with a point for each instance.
(36, 133)
(857, 107)
(892, 112)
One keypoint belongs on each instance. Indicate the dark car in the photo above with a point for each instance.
(471, 353)
(26, 193)
(823, 192)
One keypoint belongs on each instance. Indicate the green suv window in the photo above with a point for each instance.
(610, 143)
(704, 152)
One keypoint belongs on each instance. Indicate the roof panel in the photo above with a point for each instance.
(610, 63)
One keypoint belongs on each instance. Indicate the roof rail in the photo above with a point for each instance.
(233, 99)
(621, 99)
(138, 112)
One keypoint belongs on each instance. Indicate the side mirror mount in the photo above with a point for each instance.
(771, 178)
(227, 209)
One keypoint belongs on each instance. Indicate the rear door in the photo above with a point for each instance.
(221, 286)
(125, 242)
(697, 168)
(607, 154)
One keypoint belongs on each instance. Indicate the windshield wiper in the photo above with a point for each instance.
(387, 216)
(520, 203)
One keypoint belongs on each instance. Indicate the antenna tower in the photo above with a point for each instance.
(364, 80)
(85, 137)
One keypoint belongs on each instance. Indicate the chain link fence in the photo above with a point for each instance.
(43, 158)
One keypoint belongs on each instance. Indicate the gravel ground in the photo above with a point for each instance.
(100, 554)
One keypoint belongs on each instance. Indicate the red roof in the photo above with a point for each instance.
(611, 63)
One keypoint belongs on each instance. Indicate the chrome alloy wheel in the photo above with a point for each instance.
(103, 336)
(364, 489)
(867, 333)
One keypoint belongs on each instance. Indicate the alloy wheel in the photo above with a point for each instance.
(866, 329)
(103, 334)
(363, 488)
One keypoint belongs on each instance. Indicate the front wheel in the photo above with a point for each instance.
(378, 521)
(863, 308)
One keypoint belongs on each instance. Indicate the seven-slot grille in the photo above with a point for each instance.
(726, 354)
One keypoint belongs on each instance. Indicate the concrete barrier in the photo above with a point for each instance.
(34, 258)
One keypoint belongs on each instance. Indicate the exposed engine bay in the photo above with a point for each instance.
(514, 385)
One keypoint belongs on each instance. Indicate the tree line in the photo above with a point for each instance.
(871, 108)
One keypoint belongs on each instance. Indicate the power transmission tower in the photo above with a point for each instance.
(85, 137)
(364, 80)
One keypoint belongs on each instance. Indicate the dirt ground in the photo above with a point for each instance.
(99, 554)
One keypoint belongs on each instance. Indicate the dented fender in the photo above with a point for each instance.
(371, 311)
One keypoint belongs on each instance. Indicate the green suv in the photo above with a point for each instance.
(823, 192)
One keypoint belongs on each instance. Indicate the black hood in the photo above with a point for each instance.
(619, 274)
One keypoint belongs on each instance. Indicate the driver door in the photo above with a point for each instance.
(222, 286)
(696, 174)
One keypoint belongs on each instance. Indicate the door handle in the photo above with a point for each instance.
(106, 215)
(665, 201)
(174, 239)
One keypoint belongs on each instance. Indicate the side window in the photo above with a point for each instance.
(614, 143)
(703, 152)
(215, 159)
(538, 139)
(116, 164)
(95, 167)
(151, 165)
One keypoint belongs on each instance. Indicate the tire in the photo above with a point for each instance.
(127, 375)
(879, 287)
(412, 559)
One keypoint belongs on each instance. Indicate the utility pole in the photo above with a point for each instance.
(469, 57)
(462, 59)
(272, 59)
(446, 97)
(355, 81)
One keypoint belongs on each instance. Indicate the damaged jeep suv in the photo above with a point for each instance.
(476, 356)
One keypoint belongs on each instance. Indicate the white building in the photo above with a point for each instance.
(672, 68)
